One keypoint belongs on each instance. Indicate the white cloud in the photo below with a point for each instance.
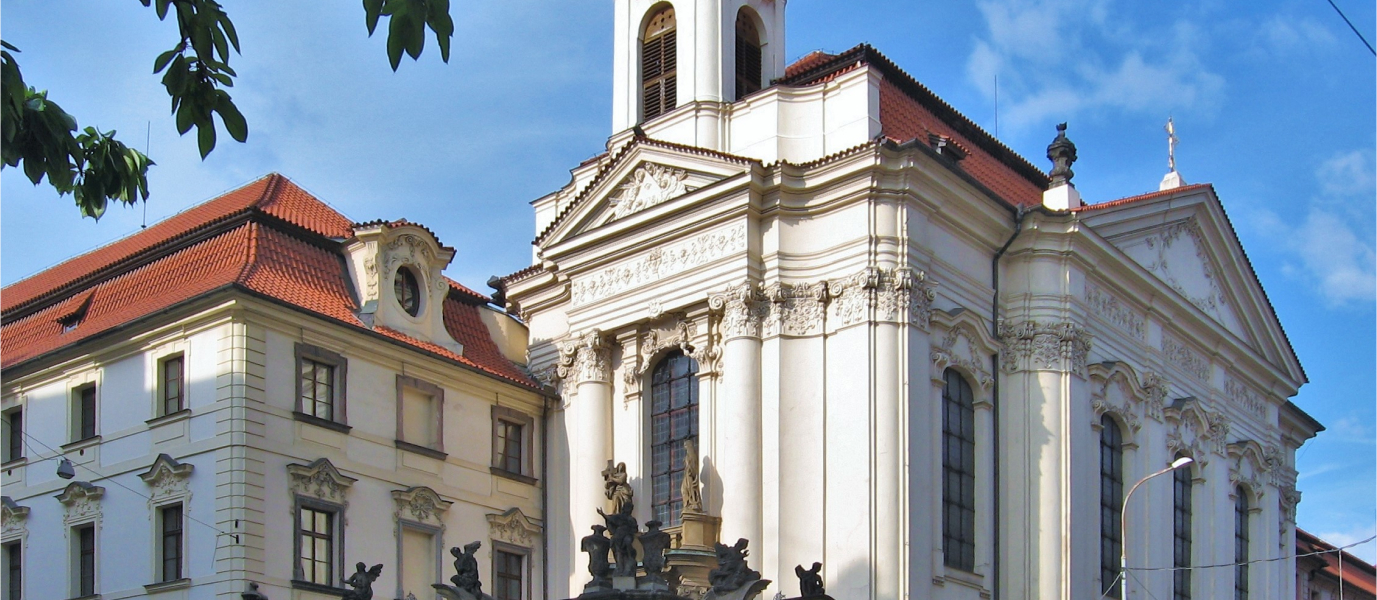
(1351, 173)
(1287, 35)
(1070, 56)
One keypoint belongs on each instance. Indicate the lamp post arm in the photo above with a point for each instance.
(1123, 524)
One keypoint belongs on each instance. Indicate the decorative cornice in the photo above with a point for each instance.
(1244, 397)
(743, 308)
(1108, 307)
(585, 359)
(319, 479)
(82, 502)
(657, 263)
(420, 504)
(514, 527)
(1181, 355)
(1034, 346)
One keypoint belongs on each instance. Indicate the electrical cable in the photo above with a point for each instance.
(1249, 562)
(101, 477)
(1350, 26)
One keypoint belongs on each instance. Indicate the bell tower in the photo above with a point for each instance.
(707, 53)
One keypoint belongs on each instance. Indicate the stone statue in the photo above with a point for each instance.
(466, 569)
(688, 489)
(810, 580)
(731, 572)
(623, 528)
(618, 490)
(596, 545)
(653, 545)
(1062, 153)
(362, 582)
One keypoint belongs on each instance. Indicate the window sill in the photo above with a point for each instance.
(82, 445)
(963, 578)
(89, 597)
(163, 586)
(14, 463)
(168, 418)
(505, 474)
(298, 584)
(319, 422)
(422, 450)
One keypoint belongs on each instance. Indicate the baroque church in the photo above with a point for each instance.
(883, 341)
(809, 311)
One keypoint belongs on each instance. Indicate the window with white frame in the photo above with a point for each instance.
(1241, 539)
(511, 443)
(316, 559)
(171, 385)
(84, 412)
(1181, 533)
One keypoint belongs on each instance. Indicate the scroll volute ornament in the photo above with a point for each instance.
(587, 358)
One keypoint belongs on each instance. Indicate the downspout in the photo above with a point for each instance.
(994, 411)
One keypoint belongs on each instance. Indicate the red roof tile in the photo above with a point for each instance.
(1143, 197)
(1356, 572)
(182, 259)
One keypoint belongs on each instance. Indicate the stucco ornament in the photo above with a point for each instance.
(657, 263)
(419, 504)
(1118, 313)
(584, 359)
(370, 269)
(795, 308)
(168, 478)
(1181, 355)
(1290, 497)
(743, 308)
(320, 479)
(1156, 388)
(675, 333)
(960, 348)
(13, 517)
(1178, 245)
(1244, 397)
(81, 501)
(409, 248)
(649, 185)
(1034, 346)
(1250, 466)
(1196, 430)
(851, 296)
(514, 527)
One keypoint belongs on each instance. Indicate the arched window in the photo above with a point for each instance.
(407, 290)
(748, 66)
(1111, 505)
(958, 472)
(657, 65)
(673, 420)
(1181, 527)
(1241, 545)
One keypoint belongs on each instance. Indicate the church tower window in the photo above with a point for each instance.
(658, 60)
(748, 67)
(958, 472)
(673, 421)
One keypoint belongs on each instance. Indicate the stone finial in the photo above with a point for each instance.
(1062, 152)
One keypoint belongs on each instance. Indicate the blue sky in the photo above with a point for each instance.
(1273, 101)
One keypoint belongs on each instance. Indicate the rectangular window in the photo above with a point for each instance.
(320, 392)
(171, 521)
(171, 382)
(958, 473)
(1181, 544)
(509, 446)
(317, 544)
(508, 575)
(85, 560)
(14, 435)
(1241, 538)
(14, 572)
(420, 413)
(1111, 506)
(84, 413)
(418, 563)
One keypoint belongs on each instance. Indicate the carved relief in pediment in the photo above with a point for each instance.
(514, 527)
(649, 185)
(320, 479)
(168, 478)
(420, 505)
(81, 502)
(1179, 258)
(14, 519)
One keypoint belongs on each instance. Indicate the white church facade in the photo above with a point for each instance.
(898, 348)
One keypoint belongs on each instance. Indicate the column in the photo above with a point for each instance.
(737, 423)
(585, 363)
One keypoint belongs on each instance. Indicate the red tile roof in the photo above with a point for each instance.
(283, 245)
(1356, 572)
(1143, 197)
(909, 110)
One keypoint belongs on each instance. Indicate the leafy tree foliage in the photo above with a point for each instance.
(96, 168)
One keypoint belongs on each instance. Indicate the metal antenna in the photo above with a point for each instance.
(147, 136)
(996, 106)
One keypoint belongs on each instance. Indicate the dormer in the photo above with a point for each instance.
(669, 53)
(396, 268)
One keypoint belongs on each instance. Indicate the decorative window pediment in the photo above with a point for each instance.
(319, 479)
(1195, 429)
(964, 347)
(1116, 388)
(14, 518)
(168, 478)
(82, 502)
(514, 527)
(420, 505)
(1252, 464)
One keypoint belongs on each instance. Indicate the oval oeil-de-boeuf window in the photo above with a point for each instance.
(408, 291)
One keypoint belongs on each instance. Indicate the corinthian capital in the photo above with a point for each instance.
(1035, 346)
(743, 307)
(585, 358)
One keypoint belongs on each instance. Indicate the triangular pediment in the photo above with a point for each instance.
(644, 181)
(1185, 241)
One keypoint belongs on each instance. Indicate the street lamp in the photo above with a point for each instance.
(1123, 521)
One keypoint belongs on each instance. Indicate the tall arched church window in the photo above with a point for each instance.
(1181, 526)
(658, 79)
(748, 77)
(673, 420)
(958, 472)
(1111, 505)
(1241, 536)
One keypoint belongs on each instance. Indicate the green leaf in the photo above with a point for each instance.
(235, 125)
(205, 138)
(162, 9)
(395, 45)
(221, 45)
(228, 27)
(160, 63)
(184, 118)
(372, 9)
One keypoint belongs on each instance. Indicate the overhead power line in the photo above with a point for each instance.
(1350, 26)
